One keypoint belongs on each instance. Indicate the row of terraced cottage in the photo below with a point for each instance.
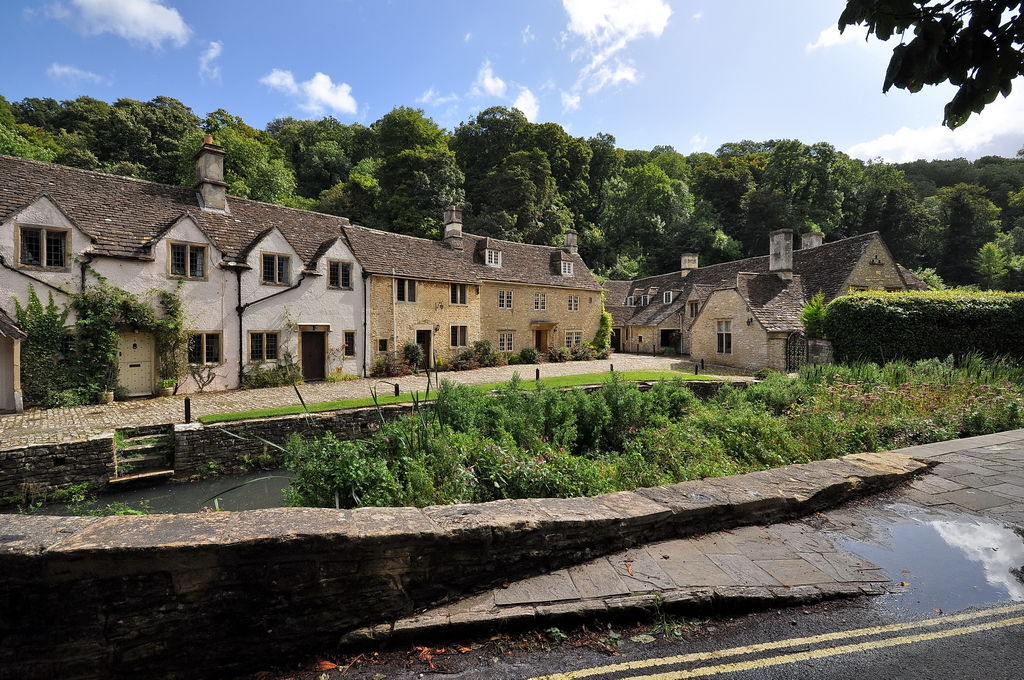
(263, 283)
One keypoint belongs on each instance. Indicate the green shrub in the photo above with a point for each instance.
(260, 375)
(529, 355)
(585, 352)
(813, 317)
(389, 365)
(332, 472)
(881, 327)
(413, 355)
(559, 355)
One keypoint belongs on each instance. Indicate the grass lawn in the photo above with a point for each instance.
(545, 383)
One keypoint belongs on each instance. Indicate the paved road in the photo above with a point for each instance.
(60, 425)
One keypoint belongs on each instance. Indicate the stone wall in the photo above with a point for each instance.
(30, 471)
(223, 594)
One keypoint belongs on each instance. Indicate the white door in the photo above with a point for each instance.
(135, 361)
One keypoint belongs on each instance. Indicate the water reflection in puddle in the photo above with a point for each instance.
(948, 561)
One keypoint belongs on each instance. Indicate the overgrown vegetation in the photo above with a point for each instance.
(470, 448)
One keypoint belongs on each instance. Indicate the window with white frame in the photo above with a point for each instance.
(263, 346)
(405, 290)
(573, 338)
(567, 268)
(276, 269)
(630, 301)
(540, 301)
(459, 336)
(504, 299)
(645, 300)
(339, 274)
(188, 260)
(666, 297)
(725, 337)
(574, 303)
(204, 348)
(492, 258)
(458, 294)
(505, 341)
(44, 248)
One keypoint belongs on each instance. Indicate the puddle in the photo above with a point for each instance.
(949, 561)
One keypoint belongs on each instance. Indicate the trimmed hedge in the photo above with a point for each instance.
(883, 327)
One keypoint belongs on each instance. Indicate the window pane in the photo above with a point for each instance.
(271, 346)
(350, 343)
(282, 269)
(55, 249)
(346, 275)
(31, 247)
(196, 260)
(400, 290)
(212, 348)
(455, 336)
(256, 347)
(195, 349)
(334, 274)
(269, 265)
(454, 293)
(411, 291)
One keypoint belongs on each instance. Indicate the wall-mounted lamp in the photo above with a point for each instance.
(750, 320)
(437, 329)
(876, 260)
(136, 330)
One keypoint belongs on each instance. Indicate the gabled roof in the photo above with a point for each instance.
(775, 303)
(8, 329)
(825, 268)
(382, 252)
(126, 215)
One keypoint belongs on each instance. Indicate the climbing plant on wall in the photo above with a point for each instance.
(41, 371)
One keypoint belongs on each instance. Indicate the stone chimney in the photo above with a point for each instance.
(570, 242)
(453, 227)
(811, 239)
(781, 253)
(213, 190)
(688, 262)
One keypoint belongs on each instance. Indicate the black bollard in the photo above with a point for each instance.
(396, 389)
(188, 410)
(538, 374)
(702, 364)
(695, 369)
(611, 368)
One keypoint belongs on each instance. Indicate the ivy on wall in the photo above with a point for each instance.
(915, 325)
(70, 366)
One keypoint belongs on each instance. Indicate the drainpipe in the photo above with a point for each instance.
(241, 311)
(85, 265)
(366, 323)
(394, 311)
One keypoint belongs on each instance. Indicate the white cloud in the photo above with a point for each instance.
(468, 36)
(207, 69)
(830, 37)
(528, 104)
(528, 35)
(1000, 121)
(698, 142)
(570, 102)
(697, 16)
(488, 83)
(434, 98)
(138, 21)
(315, 94)
(607, 27)
(72, 75)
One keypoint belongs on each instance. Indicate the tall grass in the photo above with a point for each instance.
(470, 447)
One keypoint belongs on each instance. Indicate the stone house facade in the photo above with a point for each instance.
(10, 365)
(446, 294)
(260, 284)
(743, 313)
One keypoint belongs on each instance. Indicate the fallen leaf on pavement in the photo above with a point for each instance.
(325, 666)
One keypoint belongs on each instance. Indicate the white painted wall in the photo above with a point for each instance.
(7, 402)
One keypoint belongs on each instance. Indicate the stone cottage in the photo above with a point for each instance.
(745, 313)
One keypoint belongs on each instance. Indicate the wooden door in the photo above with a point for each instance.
(314, 355)
(423, 340)
(135, 353)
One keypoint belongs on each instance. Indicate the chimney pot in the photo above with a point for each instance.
(570, 240)
(688, 262)
(811, 239)
(781, 253)
(213, 190)
(453, 227)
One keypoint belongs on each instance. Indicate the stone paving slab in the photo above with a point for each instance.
(744, 568)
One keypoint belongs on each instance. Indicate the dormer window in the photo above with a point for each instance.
(492, 258)
(188, 261)
(630, 301)
(567, 269)
(645, 300)
(43, 248)
(666, 297)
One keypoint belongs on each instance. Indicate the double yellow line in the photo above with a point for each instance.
(804, 641)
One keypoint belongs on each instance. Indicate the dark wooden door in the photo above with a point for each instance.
(314, 354)
(423, 340)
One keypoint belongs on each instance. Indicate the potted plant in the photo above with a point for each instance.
(165, 388)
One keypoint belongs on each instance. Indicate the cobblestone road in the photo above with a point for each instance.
(59, 425)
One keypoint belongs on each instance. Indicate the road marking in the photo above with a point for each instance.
(795, 642)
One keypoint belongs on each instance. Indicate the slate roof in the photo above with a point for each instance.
(125, 216)
(381, 252)
(825, 268)
(775, 303)
(8, 329)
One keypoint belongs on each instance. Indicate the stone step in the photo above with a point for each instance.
(153, 474)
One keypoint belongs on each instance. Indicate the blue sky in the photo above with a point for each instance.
(688, 73)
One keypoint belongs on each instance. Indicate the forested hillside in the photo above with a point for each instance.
(958, 221)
